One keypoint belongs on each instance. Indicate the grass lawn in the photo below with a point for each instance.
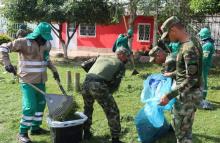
(206, 127)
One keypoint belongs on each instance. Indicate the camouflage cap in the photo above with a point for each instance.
(167, 25)
(123, 50)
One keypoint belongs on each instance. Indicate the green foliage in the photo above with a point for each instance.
(85, 11)
(205, 6)
(4, 39)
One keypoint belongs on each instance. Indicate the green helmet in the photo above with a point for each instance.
(43, 29)
(204, 33)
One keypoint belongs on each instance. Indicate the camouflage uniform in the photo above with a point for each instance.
(102, 80)
(187, 91)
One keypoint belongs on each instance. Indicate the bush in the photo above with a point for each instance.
(4, 39)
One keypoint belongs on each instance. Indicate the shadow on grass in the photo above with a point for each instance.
(206, 137)
(98, 139)
(215, 87)
(215, 104)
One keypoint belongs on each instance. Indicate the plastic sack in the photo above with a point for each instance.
(150, 121)
(146, 131)
(155, 86)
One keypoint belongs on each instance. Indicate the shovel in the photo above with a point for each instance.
(58, 105)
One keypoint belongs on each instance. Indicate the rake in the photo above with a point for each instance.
(58, 105)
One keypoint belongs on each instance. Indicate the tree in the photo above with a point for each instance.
(162, 9)
(205, 6)
(60, 11)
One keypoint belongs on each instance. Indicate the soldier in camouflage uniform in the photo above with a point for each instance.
(188, 79)
(102, 80)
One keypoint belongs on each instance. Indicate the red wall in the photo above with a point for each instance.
(107, 34)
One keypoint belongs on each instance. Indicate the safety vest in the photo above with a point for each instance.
(33, 59)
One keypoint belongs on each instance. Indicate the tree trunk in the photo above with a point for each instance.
(65, 52)
(58, 33)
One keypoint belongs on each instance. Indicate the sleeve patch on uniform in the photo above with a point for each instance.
(192, 69)
(206, 54)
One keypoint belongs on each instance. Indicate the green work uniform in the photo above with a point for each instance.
(33, 62)
(33, 105)
(121, 41)
(208, 51)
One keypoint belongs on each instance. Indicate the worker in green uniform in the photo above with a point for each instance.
(208, 51)
(33, 62)
(122, 40)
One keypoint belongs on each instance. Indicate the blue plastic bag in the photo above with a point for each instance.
(155, 86)
(146, 131)
(150, 121)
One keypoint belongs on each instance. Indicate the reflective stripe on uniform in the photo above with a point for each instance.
(37, 118)
(206, 53)
(33, 63)
(30, 70)
(29, 118)
(4, 49)
(39, 114)
(26, 124)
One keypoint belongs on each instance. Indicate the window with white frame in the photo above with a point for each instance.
(88, 30)
(144, 32)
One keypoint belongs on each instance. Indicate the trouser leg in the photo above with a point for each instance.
(205, 83)
(28, 107)
(40, 106)
(112, 113)
(88, 106)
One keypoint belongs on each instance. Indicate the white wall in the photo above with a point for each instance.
(55, 41)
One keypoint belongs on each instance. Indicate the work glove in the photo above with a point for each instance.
(11, 69)
(56, 76)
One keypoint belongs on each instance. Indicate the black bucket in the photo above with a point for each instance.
(67, 131)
